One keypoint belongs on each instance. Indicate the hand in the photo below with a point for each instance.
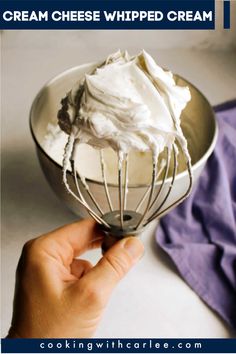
(58, 295)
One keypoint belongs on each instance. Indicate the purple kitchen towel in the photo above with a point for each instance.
(200, 234)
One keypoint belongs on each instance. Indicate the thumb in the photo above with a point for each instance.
(113, 266)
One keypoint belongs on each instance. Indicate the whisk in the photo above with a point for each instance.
(121, 222)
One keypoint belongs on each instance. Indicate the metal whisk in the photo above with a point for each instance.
(121, 222)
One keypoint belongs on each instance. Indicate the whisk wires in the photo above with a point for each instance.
(158, 200)
(104, 179)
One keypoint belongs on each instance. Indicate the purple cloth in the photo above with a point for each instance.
(200, 234)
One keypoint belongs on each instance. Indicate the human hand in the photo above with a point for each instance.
(57, 295)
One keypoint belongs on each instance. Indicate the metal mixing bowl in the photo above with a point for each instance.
(198, 123)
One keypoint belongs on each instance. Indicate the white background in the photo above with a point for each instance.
(152, 301)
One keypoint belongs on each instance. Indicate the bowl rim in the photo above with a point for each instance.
(184, 173)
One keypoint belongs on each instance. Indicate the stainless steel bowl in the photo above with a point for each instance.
(198, 123)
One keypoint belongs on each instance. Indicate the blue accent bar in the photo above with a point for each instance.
(226, 14)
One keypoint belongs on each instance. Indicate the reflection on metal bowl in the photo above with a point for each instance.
(197, 121)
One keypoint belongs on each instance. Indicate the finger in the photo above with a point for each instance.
(72, 240)
(117, 261)
(80, 235)
(64, 244)
(80, 267)
(95, 244)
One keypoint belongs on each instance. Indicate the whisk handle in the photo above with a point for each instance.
(116, 233)
(110, 240)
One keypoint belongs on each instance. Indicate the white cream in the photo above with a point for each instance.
(128, 103)
(88, 159)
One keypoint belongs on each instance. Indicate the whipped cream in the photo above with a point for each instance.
(126, 103)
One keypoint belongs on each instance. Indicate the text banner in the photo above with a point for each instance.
(118, 345)
(159, 14)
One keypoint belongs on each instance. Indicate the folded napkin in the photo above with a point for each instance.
(200, 234)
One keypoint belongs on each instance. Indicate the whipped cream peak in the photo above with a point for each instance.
(126, 103)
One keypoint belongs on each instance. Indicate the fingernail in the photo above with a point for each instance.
(134, 247)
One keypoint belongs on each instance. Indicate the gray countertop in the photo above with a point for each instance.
(152, 301)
